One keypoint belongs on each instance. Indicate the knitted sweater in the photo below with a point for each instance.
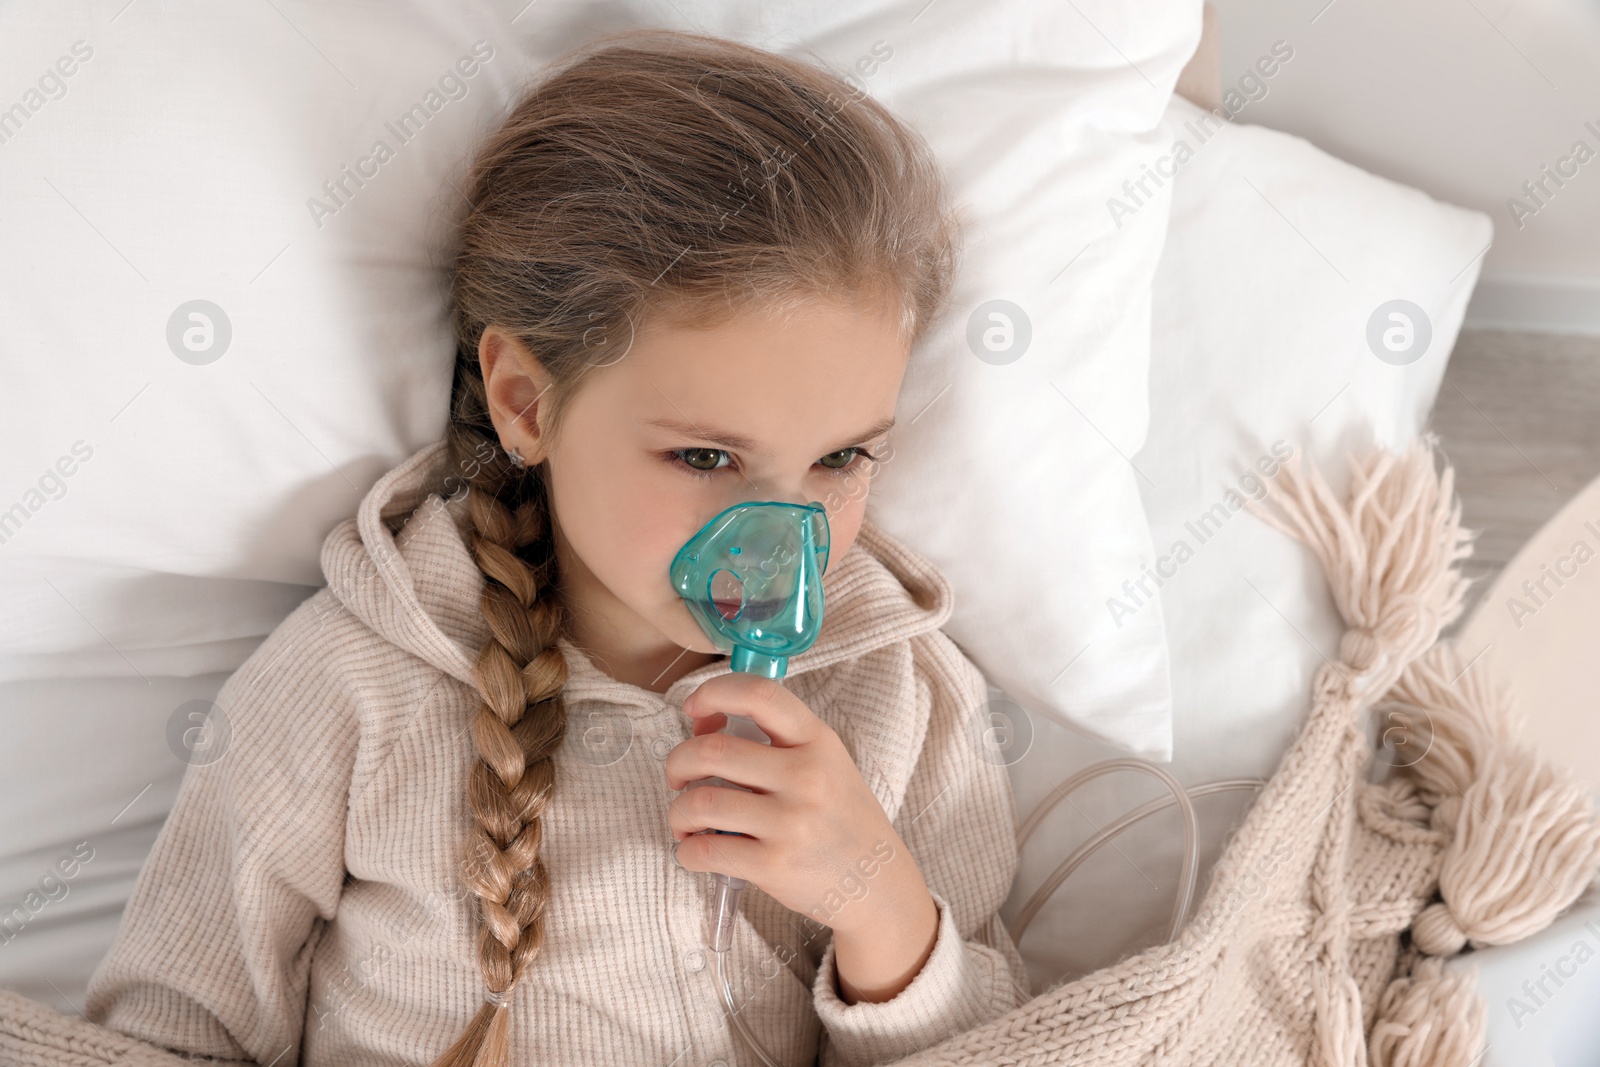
(302, 904)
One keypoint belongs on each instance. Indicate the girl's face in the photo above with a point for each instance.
(690, 421)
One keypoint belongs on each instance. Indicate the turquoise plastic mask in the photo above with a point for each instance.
(752, 578)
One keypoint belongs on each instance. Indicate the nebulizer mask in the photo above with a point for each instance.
(752, 578)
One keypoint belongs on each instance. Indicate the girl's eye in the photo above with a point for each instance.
(702, 462)
(844, 456)
(696, 458)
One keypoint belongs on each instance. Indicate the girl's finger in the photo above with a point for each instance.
(710, 724)
(738, 759)
(715, 807)
(740, 857)
(781, 715)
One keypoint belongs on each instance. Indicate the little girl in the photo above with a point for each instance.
(453, 823)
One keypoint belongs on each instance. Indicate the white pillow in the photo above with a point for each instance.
(1011, 469)
(1277, 257)
(168, 505)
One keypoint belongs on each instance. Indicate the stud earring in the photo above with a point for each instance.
(516, 459)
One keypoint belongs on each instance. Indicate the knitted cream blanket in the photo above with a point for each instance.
(1321, 938)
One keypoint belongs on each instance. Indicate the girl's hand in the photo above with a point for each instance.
(817, 839)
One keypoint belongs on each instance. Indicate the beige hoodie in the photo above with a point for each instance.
(302, 904)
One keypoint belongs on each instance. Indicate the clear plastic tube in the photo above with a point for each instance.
(724, 911)
(724, 915)
(1191, 831)
(1062, 872)
(725, 908)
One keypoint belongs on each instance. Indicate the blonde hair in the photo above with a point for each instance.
(651, 173)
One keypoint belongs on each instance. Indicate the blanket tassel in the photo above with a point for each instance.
(1434, 1018)
(1525, 841)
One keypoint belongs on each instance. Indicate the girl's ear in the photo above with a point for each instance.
(514, 382)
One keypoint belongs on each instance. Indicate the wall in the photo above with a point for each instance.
(1466, 100)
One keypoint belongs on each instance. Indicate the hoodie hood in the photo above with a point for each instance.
(403, 566)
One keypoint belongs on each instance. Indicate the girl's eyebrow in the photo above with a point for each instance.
(740, 443)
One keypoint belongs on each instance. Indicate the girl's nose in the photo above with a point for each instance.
(760, 490)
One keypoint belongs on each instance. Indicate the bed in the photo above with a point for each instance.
(170, 499)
